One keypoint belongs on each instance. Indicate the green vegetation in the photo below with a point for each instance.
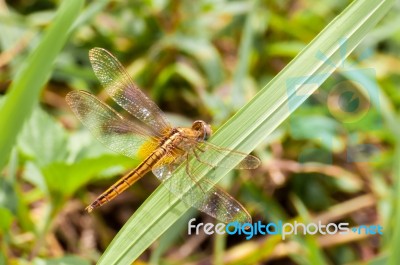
(332, 159)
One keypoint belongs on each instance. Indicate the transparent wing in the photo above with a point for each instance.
(122, 90)
(216, 156)
(201, 194)
(117, 133)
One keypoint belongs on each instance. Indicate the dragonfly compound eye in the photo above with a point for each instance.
(203, 128)
(207, 131)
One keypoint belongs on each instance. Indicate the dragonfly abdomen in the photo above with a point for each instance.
(128, 180)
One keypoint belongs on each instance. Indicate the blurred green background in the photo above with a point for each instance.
(333, 160)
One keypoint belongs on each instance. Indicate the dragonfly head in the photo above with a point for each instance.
(203, 128)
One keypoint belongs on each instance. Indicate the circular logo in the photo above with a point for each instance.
(346, 103)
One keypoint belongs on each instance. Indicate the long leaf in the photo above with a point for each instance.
(26, 88)
(268, 109)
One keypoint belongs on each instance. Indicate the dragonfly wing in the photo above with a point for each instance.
(117, 133)
(201, 194)
(122, 90)
(216, 156)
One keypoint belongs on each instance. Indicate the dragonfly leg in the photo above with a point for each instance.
(187, 168)
(198, 158)
(200, 149)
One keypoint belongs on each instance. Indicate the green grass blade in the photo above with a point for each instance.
(313, 251)
(256, 120)
(26, 88)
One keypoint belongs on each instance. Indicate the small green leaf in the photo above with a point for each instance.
(43, 139)
(65, 179)
(5, 220)
(8, 196)
(33, 175)
(320, 129)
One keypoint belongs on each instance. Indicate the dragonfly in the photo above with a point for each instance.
(173, 154)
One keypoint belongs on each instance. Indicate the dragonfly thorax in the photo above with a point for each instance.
(203, 129)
